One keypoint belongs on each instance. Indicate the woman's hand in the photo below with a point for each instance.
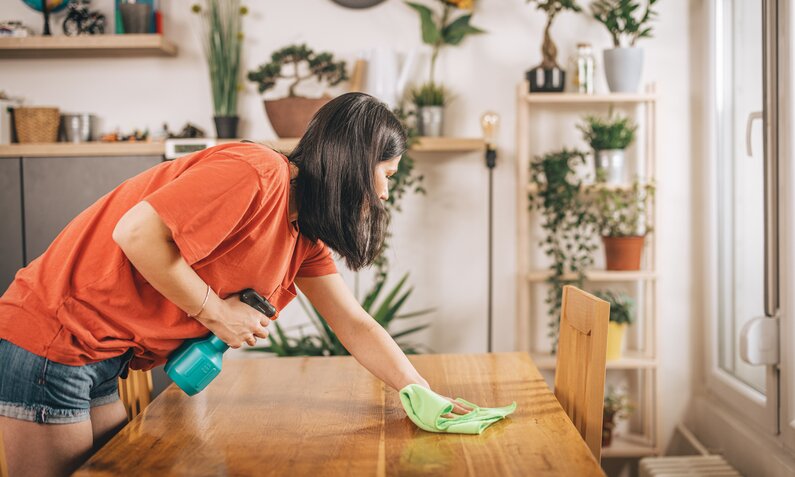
(458, 408)
(234, 322)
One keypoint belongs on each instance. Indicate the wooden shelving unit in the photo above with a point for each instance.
(86, 46)
(641, 362)
(597, 276)
(630, 360)
(65, 149)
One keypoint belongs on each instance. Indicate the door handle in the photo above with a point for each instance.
(759, 341)
(749, 124)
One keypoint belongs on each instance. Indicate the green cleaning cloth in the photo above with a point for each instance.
(425, 408)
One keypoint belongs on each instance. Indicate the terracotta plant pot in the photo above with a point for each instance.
(623, 253)
(615, 340)
(290, 116)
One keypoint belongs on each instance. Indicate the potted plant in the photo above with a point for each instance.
(621, 218)
(439, 30)
(556, 192)
(326, 343)
(222, 40)
(616, 406)
(549, 76)
(429, 100)
(290, 116)
(621, 316)
(624, 62)
(609, 137)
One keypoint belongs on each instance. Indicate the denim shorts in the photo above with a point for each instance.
(33, 388)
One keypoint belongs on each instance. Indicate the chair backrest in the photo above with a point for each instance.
(580, 370)
(3, 462)
(136, 391)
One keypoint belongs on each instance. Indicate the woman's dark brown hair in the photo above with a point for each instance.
(335, 192)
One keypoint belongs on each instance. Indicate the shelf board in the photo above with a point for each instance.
(577, 98)
(630, 360)
(65, 149)
(533, 188)
(423, 144)
(597, 275)
(628, 447)
(448, 144)
(86, 46)
(124, 148)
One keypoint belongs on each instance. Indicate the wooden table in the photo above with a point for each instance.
(330, 417)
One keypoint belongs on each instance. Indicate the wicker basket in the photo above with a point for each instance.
(36, 124)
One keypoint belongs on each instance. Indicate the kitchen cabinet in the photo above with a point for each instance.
(11, 253)
(56, 189)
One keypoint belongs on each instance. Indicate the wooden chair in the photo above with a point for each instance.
(136, 392)
(3, 462)
(580, 370)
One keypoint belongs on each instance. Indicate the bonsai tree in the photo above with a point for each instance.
(566, 222)
(297, 63)
(619, 17)
(621, 306)
(549, 51)
(613, 132)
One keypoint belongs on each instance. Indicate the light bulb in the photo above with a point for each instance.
(489, 122)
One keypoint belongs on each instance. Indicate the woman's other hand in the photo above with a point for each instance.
(234, 322)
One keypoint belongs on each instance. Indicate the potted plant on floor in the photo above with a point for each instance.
(621, 316)
(609, 137)
(616, 406)
(549, 76)
(222, 41)
(556, 192)
(624, 62)
(290, 116)
(437, 31)
(385, 310)
(622, 220)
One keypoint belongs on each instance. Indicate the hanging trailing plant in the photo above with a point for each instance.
(567, 222)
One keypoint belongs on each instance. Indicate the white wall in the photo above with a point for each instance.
(441, 237)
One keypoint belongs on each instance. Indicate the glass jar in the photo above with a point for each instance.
(584, 70)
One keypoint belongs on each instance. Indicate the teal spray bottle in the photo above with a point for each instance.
(198, 361)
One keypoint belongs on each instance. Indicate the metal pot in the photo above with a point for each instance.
(429, 120)
(610, 166)
(79, 127)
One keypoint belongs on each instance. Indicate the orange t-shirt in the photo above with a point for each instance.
(227, 207)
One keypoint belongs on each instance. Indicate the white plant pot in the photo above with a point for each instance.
(623, 67)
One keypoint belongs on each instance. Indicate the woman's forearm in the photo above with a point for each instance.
(374, 349)
(147, 243)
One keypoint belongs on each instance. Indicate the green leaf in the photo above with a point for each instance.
(373, 295)
(430, 33)
(458, 29)
(409, 331)
(387, 303)
(415, 314)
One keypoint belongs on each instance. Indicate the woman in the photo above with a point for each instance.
(159, 259)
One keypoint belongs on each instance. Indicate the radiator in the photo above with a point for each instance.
(687, 466)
